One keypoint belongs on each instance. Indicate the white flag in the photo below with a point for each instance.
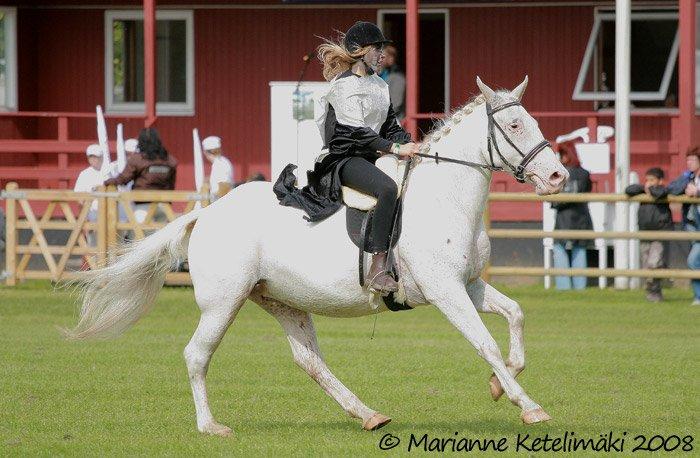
(121, 151)
(102, 140)
(198, 161)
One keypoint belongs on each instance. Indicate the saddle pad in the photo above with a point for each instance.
(388, 164)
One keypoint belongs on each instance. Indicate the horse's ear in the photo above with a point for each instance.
(489, 93)
(518, 92)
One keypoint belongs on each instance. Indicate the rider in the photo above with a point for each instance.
(357, 126)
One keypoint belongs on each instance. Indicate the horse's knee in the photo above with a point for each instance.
(309, 362)
(515, 314)
(489, 351)
(196, 359)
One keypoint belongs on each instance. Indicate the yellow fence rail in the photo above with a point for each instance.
(115, 216)
(101, 217)
(588, 235)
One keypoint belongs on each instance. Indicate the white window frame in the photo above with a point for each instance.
(10, 59)
(600, 16)
(446, 13)
(162, 108)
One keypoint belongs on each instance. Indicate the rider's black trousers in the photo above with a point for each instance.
(360, 174)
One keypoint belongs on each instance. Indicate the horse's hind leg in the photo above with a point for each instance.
(489, 300)
(218, 312)
(307, 355)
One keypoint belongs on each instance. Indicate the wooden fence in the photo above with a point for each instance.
(102, 217)
(70, 212)
(589, 235)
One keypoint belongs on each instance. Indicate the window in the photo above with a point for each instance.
(124, 70)
(654, 60)
(8, 59)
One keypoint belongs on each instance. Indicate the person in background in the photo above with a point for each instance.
(653, 217)
(396, 80)
(131, 146)
(152, 169)
(90, 179)
(689, 184)
(221, 177)
(572, 216)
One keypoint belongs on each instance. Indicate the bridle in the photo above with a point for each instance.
(519, 170)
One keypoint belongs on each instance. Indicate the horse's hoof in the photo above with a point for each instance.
(495, 387)
(534, 416)
(216, 429)
(375, 422)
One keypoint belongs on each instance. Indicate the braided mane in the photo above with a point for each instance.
(444, 126)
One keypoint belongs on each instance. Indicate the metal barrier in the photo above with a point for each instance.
(588, 235)
(75, 213)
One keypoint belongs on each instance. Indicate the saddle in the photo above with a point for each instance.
(358, 217)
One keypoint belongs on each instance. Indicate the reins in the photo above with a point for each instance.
(519, 170)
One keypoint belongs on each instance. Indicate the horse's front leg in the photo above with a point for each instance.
(488, 299)
(454, 302)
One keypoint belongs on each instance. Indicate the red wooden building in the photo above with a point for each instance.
(214, 61)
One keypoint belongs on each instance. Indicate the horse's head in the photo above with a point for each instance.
(516, 143)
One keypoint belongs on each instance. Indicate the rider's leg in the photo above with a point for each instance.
(360, 174)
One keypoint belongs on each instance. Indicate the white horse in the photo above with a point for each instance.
(292, 268)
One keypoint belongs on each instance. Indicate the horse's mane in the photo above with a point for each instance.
(445, 125)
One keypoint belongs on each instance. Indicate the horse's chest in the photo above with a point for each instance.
(481, 252)
(473, 258)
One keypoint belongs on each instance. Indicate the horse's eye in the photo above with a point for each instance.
(514, 126)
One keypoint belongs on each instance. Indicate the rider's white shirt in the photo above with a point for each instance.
(358, 102)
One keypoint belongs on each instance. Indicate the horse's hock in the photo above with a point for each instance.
(54, 234)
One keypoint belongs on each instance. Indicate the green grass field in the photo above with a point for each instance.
(597, 361)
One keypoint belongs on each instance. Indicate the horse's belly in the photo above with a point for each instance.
(309, 266)
(313, 267)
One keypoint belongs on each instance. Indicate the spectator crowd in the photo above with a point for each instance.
(652, 216)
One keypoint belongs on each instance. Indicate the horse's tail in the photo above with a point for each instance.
(116, 296)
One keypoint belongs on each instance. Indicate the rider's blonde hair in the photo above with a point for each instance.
(336, 58)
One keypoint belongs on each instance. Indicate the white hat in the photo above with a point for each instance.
(211, 142)
(94, 150)
(131, 145)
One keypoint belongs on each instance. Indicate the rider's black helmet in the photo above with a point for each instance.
(363, 34)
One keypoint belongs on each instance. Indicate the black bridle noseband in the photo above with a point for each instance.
(519, 170)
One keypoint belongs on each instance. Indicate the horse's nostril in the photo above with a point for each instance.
(556, 178)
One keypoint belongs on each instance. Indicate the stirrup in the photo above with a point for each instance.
(382, 291)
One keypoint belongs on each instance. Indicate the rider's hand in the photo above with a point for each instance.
(408, 149)
(691, 190)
